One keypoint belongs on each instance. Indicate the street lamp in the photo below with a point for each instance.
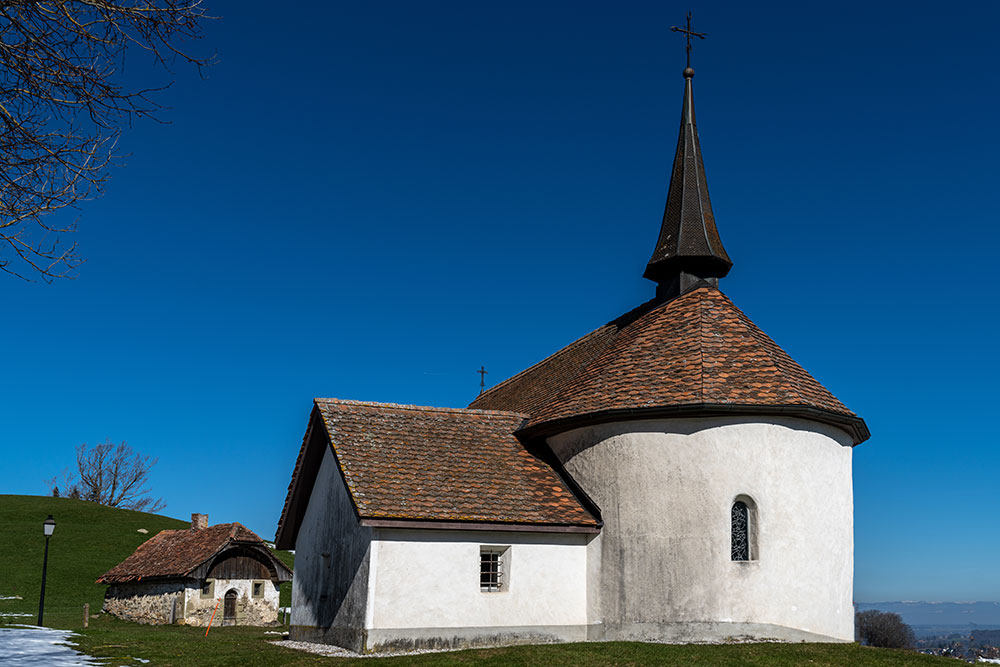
(48, 527)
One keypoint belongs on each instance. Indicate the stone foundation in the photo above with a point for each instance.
(152, 603)
(161, 603)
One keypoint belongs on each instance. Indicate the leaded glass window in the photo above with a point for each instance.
(741, 531)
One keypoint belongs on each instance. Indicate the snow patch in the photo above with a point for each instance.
(31, 646)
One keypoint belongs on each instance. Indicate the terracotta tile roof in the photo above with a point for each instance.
(444, 464)
(696, 349)
(176, 553)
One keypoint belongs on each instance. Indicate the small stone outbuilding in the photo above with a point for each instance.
(183, 576)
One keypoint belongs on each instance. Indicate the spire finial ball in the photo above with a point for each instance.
(688, 73)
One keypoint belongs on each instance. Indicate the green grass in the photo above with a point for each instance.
(89, 540)
(178, 646)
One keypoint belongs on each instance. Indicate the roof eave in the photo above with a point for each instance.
(200, 571)
(136, 578)
(853, 425)
(424, 524)
(710, 266)
(298, 495)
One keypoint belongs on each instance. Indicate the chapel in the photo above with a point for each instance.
(672, 475)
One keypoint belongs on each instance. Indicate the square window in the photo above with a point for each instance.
(258, 589)
(494, 569)
(208, 588)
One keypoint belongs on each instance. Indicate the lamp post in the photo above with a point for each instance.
(48, 527)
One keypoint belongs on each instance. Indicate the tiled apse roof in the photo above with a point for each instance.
(175, 553)
(444, 464)
(697, 349)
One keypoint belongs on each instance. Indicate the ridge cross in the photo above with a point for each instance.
(482, 378)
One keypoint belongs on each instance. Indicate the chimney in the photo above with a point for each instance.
(199, 521)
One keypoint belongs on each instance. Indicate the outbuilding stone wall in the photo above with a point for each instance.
(152, 603)
(182, 602)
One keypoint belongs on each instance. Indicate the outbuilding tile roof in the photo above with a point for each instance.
(695, 349)
(444, 464)
(175, 553)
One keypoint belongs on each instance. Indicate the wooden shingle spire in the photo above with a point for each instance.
(689, 249)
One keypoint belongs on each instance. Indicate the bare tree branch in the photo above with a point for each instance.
(62, 110)
(116, 476)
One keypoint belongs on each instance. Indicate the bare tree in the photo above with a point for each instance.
(116, 476)
(62, 108)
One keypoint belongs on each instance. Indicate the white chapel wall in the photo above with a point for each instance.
(426, 588)
(666, 488)
(330, 581)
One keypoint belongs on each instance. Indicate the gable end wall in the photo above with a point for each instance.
(332, 552)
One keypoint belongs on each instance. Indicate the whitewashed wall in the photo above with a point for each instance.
(330, 581)
(372, 589)
(665, 489)
(430, 578)
(249, 610)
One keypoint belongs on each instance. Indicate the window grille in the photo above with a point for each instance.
(741, 531)
(491, 570)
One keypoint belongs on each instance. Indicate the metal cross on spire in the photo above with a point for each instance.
(688, 34)
(482, 378)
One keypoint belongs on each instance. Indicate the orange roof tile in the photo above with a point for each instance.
(444, 464)
(176, 553)
(697, 349)
(412, 463)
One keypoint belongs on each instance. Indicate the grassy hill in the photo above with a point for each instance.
(89, 539)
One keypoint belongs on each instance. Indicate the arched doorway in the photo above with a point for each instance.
(229, 608)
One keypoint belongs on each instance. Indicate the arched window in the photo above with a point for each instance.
(744, 530)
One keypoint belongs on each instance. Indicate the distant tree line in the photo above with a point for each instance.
(109, 474)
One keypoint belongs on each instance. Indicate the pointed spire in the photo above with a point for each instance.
(689, 248)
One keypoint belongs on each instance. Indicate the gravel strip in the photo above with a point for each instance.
(331, 651)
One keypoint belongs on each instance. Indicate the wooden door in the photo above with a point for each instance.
(229, 608)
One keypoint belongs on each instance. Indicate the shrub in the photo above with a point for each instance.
(883, 629)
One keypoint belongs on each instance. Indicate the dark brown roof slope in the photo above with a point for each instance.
(177, 553)
(696, 350)
(444, 464)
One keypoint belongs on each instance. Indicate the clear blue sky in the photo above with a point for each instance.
(369, 200)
